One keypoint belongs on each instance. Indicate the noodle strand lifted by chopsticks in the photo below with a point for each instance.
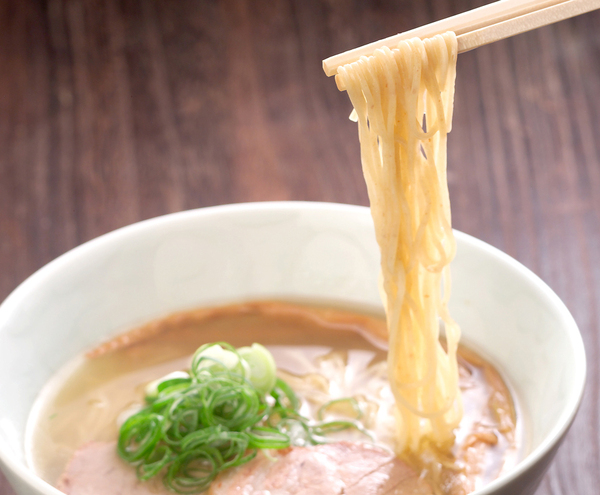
(403, 99)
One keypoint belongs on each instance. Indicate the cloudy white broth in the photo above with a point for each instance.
(322, 353)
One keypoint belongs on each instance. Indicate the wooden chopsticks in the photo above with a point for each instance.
(478, 27)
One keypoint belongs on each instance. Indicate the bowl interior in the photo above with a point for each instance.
(292, 251)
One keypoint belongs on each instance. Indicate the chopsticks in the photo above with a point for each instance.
(478, 27)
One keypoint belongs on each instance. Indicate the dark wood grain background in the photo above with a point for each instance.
(116, 111)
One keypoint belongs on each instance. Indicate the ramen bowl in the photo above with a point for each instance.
(287, 251)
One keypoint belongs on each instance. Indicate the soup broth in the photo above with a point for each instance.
(322, 353)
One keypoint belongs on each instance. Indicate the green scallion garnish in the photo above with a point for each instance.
(217, 416)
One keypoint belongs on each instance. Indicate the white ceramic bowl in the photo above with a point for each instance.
(287, 251)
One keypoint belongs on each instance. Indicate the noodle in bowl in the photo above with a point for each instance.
(312, 252)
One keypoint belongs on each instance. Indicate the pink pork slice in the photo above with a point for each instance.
(331, 469)
(336, 468)
(96, 469)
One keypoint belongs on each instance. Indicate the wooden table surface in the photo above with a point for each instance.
(116, 111)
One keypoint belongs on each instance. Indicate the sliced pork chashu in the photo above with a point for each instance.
(332, 469)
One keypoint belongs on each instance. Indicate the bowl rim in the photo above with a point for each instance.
(25, 475)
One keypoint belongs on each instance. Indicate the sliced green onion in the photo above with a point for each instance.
(219, 356)
(230, 405)
(139, 435)
(193, 471)
(281, 386)
(262, 367)
(155, 462)
(172, 379)
(345, 400)
(323, 429)
(268, 438)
